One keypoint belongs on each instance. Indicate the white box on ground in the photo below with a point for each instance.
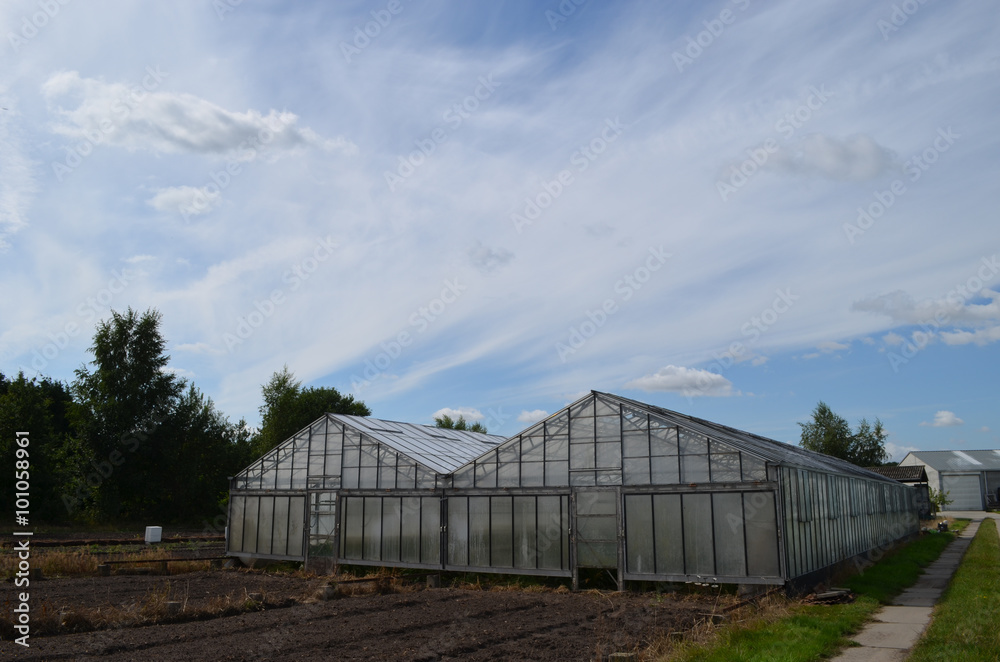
(154, 534)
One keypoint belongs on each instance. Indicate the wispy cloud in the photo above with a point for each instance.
(529, 417)
(687, 381)
(855, 158)
(468, 413)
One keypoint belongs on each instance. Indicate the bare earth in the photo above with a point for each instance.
(418, 624)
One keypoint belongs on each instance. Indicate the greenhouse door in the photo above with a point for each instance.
(595, 532)
(964, 491)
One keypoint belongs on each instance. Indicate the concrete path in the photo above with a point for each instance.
(897, 628)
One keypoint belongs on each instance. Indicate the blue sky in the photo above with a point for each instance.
(731, 209)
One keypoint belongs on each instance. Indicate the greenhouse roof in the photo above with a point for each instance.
(440, 449)
(768, 449)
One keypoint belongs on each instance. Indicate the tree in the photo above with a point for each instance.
(445, 421)
(39, 407)
(287, 408)
(118, 410)
(831, 434)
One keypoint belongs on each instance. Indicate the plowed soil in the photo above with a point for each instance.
(292, 624)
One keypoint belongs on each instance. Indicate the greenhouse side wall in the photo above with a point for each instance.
(831, 518)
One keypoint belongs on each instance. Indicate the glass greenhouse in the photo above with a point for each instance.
(607, 482)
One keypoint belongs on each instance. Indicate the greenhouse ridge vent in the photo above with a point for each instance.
(607, 482)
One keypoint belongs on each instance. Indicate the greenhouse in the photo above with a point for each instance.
(609, 483)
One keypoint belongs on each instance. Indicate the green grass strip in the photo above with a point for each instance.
(966, 623)
(814, 631)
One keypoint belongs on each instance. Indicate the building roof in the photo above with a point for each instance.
(958, 460)
(771, 450)
(440, 449)
(913, 473)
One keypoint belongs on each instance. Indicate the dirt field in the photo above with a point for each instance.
(291, 624)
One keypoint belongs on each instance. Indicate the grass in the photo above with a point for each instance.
(965, 621)
(787, 631)
(60, 562)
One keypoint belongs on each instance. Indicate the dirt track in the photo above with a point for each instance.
(438, 624)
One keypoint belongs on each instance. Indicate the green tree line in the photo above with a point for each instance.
(129, 440)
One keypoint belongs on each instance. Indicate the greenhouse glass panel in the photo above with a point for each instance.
(296, 525)
(583, 408)
(406, 475)
(458, 531)
(237, 505)
(283, 478)
(582, 478)
(465, 477)
(279, 543)
(349, 479)
(550, 532)
(581, 456)
(351, 529)
(636, 471)
(479, 531)
(368, 478)
(430, 530)
(609, 455)
(699, 548)
(639, 549)
(730, 551)
(409, 540)
(391, 523)
(609, 477)
(508, 474)
(725, 467)
(557, 448)
(524, 532)
(694, 469)
(486, 474)
(501, 529)
(532, 474)
(663, 440)
(665, 470)
(692, 443)
(762, 535)
(557, 425)
(265, 520)
(633, 419)
(668, 529)
(251, 509)
(636, 443)
(533, 448)
(372, 532)
(605, 407)
(609, 427)
(754, 468)
(557, 473)
(581, 429)
(369, 454)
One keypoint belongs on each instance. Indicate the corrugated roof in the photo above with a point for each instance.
(913, 473)
(959, 460)
(440, 449)
(768, 449)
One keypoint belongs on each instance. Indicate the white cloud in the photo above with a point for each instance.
(189, 200)
(985, 428)
(979, 336)
(855, 158)
(168, 122)
(530, 417)
(897, 451)
(468, 413)
(893, 339)
(758, 360)
(902, 308)
(139, 259)
(198, 348)
(868, 340)
(944, 419)
(179, 372)
(17, 181)
(829, 346)
(688, 381)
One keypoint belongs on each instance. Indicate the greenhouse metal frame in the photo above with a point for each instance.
(605, 483)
